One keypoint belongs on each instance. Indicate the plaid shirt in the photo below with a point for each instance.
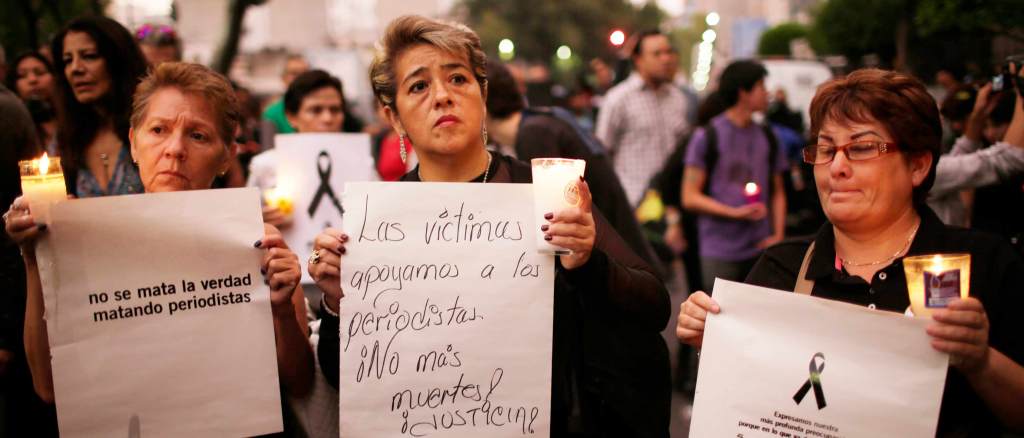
(640, 127)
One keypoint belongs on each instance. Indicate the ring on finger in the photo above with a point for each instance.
(314, 258)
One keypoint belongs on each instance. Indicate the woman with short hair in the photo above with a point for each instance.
(431, 77)
(878, 138)
(182, 125)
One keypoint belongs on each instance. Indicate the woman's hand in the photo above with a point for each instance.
(21, 227)
(280, 266)
(573, 229)
(325, 267)
(961, 330)
(692, 315)
(750, 212)
(273, 216)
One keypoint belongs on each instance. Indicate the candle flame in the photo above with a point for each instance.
(751, 188)
(937, 265)
(43, 164)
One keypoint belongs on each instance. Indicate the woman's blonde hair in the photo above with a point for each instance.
(409, 30)
(193, 79)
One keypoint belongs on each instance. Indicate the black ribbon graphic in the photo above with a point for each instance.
(323, 168)
(813, 381)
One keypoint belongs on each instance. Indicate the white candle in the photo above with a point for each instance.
(934, 280)
(42, 183)
(752, 192)
(554, 188)
(280, 199)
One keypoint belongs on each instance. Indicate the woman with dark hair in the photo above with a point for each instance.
(31, 76)
(877, 141)
(100, 65)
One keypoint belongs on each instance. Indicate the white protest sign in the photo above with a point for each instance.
(159, 321)
(780, 364)
(447, 316)
(312, 170)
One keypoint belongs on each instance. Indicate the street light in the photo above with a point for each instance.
(564, 52)
(617, 37)
(506, 49)
(712, 19)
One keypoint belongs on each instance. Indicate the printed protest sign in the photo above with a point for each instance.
(447, 317)
(159, 321)
(780, 364)
(312, 171)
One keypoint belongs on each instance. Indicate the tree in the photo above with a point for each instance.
(775, 41)
(228, 48)
(995, 17)
(28, 24)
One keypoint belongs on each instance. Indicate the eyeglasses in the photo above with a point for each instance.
(856, 151)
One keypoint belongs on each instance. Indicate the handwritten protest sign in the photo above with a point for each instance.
(447, 316)
(159, 321)
(312, 170)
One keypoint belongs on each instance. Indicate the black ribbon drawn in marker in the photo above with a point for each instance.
(323, 168)
(813, 381)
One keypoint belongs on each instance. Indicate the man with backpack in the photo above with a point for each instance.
(733, 179)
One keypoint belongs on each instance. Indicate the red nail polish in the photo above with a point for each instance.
(547, 237)
(544, 227)
(548, 216)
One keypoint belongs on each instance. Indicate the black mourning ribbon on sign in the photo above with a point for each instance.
(323, 168)
(813, 381)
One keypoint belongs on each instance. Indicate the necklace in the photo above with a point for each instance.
(902, 250)
(487, 172)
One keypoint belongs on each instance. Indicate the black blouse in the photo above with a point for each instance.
(610, 370)
(997, 280)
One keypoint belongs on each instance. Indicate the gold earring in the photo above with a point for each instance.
(401, 148)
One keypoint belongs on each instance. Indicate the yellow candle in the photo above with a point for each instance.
(279, 199)
(42, 184)
(935, 280)
(554, 189)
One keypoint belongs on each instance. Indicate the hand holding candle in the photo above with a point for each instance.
(554, 189)
(752, 192)
(278, 207)
(42, 182)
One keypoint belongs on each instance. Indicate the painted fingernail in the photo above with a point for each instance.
(344, 237)
(266, 282)
(547, 237)
(257, 244)
(544, 227)
(263, 271)
(41, 227)
(548, 216)
(581, 178)
(341, 249)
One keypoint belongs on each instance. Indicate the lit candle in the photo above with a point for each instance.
(554, 188)
(279, 199)
(42, 183)
(935, 280)
(752, 192)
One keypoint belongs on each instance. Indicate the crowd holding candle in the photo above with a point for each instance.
(874, 153)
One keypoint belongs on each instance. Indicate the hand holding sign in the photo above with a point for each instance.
(281, 268)
(325, 265)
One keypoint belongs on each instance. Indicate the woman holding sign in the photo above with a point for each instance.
(182, 122)
(878, 142)
(431, 78)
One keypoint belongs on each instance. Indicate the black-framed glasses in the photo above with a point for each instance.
(856, 151)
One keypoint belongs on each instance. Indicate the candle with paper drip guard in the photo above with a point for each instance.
(936, 279)
(752, 192)
(279, 199)
(554, 189)
(42, 183)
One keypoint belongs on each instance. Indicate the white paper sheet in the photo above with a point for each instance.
(461, 345)
(312, 168)
(196, 362)
(880, 376)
